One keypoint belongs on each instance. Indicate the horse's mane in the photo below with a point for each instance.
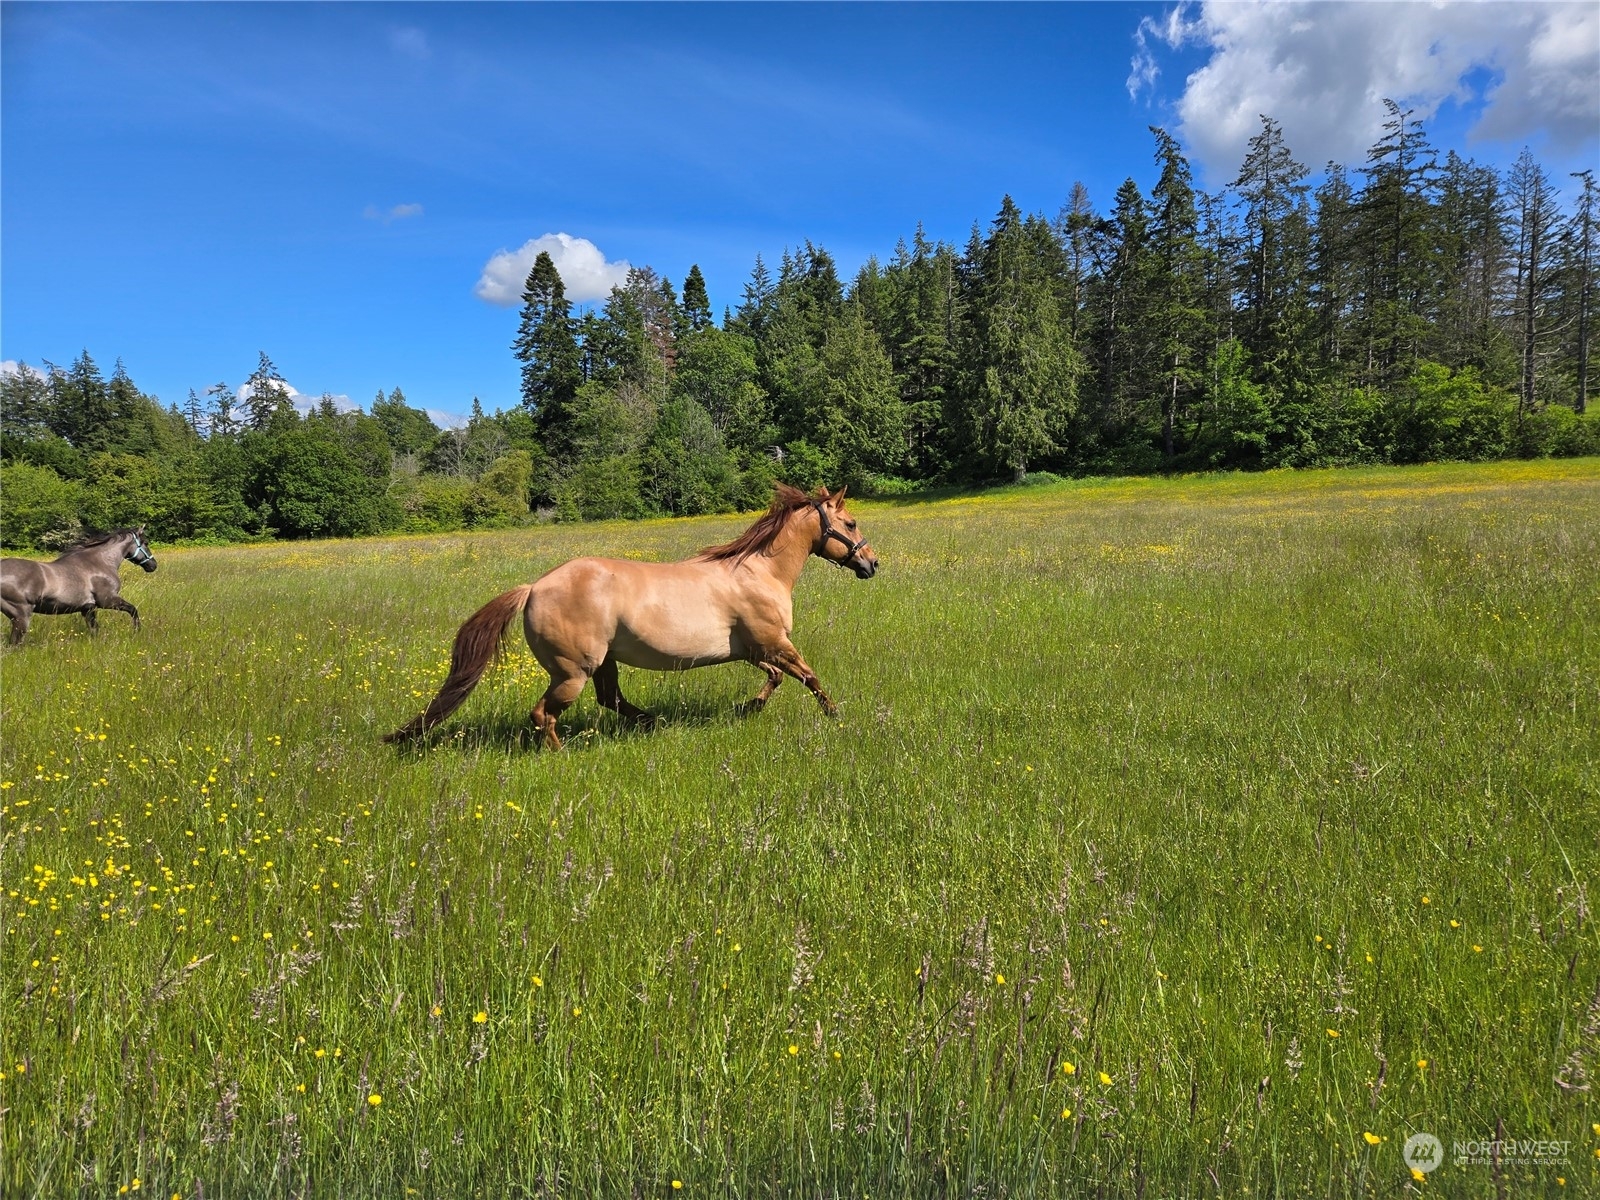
(759, 537)
(90, 540)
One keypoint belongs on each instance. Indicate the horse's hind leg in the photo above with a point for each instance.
(566, 681)
(20, 616)
(608, 690)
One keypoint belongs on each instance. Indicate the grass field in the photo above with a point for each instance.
(1178, 838)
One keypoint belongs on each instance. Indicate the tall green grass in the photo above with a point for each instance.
(1178, 838)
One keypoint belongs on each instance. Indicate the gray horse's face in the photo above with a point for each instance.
(139, 552)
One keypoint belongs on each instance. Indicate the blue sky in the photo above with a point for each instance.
(186, 185)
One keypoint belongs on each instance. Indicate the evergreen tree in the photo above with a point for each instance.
(1581, 254)
(547, 348)
(1075, 227)
(805, 305)
(80, 404)
(1119, 301)
(223, 421)
(1397, 217)
(194, 412)
(717, 371)
(696, 302)
(921, 327)
(410, 431)
(1536, 219)
(756, 307)
(858, 423)
(1024, 368)
(1333, 270)
(268, 400)
(25, 408)
(1272, 185)
(1176, 298)
(1471, 247)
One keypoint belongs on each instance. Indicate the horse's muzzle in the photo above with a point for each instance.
(864, 567)
(149, 565)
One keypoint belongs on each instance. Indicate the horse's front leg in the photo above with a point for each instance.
(121, 605)
(91, 620)
(787, 659)
(759, 701)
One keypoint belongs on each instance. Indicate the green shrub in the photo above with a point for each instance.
(37, 506)
(1556, 431)
(1443, 414)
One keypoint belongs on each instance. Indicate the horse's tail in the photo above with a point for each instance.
(476, 645)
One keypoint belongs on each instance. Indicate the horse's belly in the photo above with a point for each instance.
(64, 596)
(676, 649)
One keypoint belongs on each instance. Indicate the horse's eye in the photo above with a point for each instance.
(850, 525)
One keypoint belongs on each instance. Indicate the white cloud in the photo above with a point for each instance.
(1554, 82)
(446, 420)
(1323, 69)
(398, 213)
(585, 273)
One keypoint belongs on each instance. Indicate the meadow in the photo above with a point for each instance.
(1177, 838)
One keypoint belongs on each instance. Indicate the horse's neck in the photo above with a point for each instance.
(107, 555)
(790, 549)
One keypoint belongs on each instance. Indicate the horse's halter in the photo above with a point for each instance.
(141, 553)
(829, 532)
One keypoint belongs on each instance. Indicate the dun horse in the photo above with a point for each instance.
(727, 603)
(83, 579)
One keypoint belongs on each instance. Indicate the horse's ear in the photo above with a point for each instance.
(838, 497)
(822, 493)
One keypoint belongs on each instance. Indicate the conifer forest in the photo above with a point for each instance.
(1416, 307)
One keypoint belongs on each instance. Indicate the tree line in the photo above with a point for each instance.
(1420, 307)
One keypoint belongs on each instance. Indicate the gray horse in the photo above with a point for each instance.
(83, 579)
